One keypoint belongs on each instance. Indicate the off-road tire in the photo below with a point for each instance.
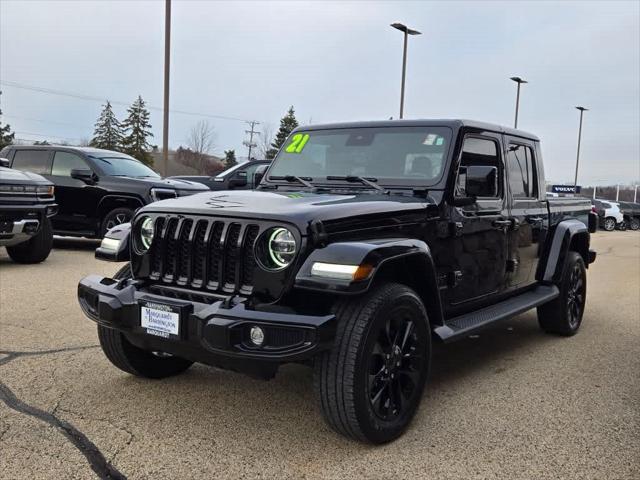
(342, 374)
(634, 224)
(114, 218)
(609, 224)
(562, 316)
(37, 248)
(131, 359)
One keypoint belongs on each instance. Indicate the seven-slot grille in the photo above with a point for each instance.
(213, 254)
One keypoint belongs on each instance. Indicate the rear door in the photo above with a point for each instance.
(528, 211)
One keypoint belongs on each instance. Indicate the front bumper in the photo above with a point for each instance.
(216, 333)
(18, 223)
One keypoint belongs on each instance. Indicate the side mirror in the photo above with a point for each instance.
(259, 175)
(4, 162)
(481, 181)
(238, 180)
(85, 175)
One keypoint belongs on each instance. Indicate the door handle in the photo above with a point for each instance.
(502, 224)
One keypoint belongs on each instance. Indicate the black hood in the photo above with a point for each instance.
(9, 175)
(298, 208)
(170, 183)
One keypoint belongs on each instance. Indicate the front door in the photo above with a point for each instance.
(478, 248)
(528, 211)
(76, 199)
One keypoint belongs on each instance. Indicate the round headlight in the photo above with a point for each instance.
(146, 233)
(276, 248)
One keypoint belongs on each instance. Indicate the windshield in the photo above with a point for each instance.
(123, 166)
(390, 155)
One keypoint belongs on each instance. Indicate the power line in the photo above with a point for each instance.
(90, 98)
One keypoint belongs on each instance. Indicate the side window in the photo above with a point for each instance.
(522, 174)
(64, 162)
(35, 161)
(478, 152)
(250, 171)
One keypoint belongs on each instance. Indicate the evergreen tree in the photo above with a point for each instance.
(6, 135)
(108, 130)
(230, 158)
(137, 132)
(287, 124)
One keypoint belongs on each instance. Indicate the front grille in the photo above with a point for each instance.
(208, 254)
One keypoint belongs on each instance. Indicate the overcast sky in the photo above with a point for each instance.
(335, 61)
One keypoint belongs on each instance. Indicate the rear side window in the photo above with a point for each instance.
(522, 173)
(35, 161)
(64, 162)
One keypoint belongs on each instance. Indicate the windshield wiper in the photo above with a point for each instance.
(355, 178)
(293, 178)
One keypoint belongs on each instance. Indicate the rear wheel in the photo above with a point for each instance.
(37, 248)
(563, 315)
(131, 359)
(370, 384)
(115, 217)
(609, 224)
(634, 223)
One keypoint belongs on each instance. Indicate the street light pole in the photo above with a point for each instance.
(582, 110)
(165, 123)
(407, 31)
(519, 81)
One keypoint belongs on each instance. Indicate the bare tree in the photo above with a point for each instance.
(202, 140)
(266, 137)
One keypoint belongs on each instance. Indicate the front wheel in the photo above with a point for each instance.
(563, 316)
(369, 385)
(115, 217)
(131, 359)
(609, 224)
(37, 248)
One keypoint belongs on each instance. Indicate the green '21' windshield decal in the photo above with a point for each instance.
(298, 141)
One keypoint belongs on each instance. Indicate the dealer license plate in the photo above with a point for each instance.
(160, 319)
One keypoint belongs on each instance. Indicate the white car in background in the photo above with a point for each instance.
(612, 215)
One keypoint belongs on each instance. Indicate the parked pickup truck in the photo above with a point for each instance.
(363, 244)
(26, 203)
(238, 177)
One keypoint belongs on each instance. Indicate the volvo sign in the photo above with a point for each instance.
(566, 189)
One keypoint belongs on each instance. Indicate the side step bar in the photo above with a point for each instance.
(459, 327)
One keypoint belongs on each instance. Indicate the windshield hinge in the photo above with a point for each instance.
(318, 233)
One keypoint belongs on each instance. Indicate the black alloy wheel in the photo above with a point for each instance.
(576, 290)
(395, 364)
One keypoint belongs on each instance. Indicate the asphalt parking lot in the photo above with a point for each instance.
(510, 403)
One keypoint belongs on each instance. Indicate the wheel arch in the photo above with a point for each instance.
(569, 235)
(405, 261)
(113, 201)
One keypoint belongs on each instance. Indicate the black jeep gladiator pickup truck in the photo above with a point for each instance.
(363, 243)
(26, 203)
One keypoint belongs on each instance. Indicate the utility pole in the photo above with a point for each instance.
(635, 194)
(582, 110)
(617, 192)
(594, 191)
(165, 123)
(249, 143)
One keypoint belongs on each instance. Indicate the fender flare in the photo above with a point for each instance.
(379, 254)
(563, 237)
(111, 251)
(116, 197)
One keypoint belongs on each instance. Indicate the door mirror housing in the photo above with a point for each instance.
(259, 175)
(83, 174)
(4, 162)
(238, 180)
(481, 181)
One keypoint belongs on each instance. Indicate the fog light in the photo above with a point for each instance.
(257, 336)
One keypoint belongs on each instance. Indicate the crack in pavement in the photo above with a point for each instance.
(86, 447)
